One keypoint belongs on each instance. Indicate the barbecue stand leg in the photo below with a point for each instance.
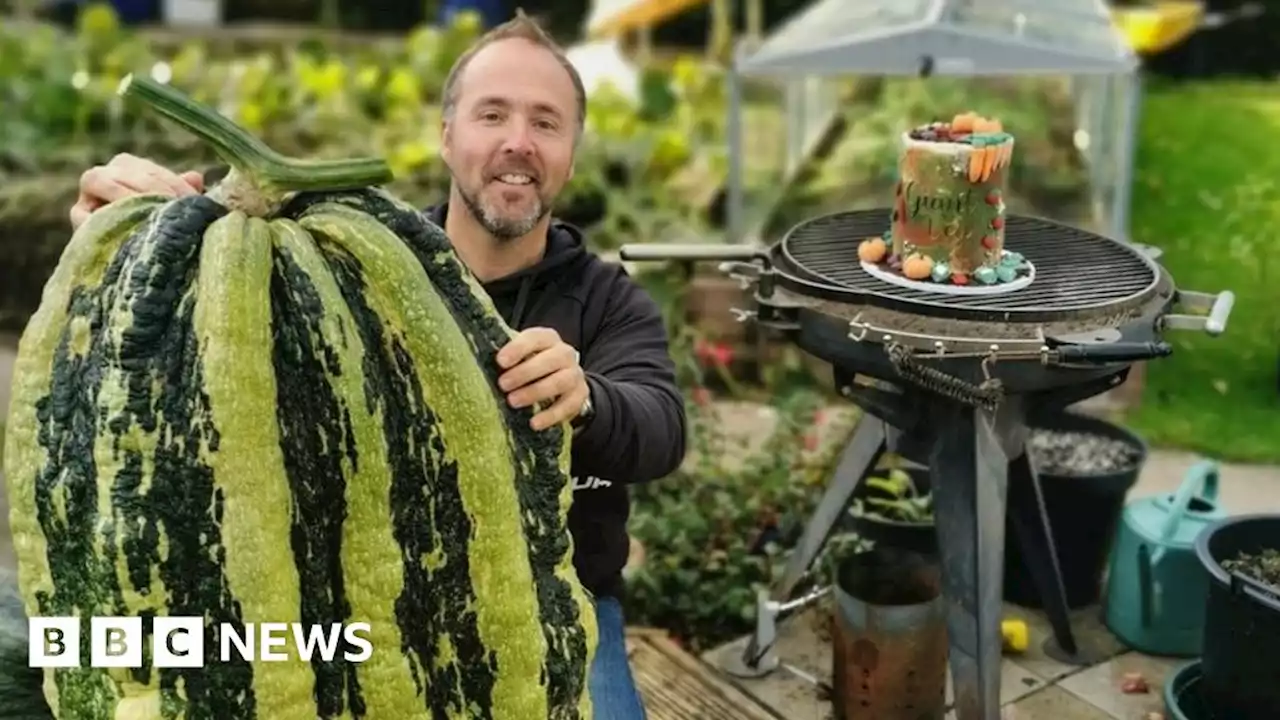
(1030, 523)
(857, 460)
(969, 473)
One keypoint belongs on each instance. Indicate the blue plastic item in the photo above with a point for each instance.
(1184, 696)
(1157, 588)
(136, 12)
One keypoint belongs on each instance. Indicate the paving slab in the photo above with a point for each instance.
(1054, 703)
(800, 687)
(1095, 642)
(1098, 685)
(1033, 686)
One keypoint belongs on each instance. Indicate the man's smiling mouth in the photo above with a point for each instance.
(515, 179)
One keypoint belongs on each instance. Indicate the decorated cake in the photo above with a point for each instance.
(947, 225)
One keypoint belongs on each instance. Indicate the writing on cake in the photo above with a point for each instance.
(948, 217)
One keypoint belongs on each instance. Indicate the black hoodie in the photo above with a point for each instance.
(637, 433)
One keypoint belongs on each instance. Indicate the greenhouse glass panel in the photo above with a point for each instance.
(1057, 73)
(969, 37)
(782, 121)
(1078, 28)
(837, 22)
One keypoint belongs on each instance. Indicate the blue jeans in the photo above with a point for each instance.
(613, 691)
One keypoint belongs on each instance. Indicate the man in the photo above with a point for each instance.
(590, 339)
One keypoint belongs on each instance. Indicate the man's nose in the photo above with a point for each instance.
(519, 140)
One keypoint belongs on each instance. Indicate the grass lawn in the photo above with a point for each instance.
(1206, 191)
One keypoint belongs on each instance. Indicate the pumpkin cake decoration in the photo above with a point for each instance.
(947, 224)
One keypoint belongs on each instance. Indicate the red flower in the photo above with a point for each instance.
(811, 441)
(713, 353)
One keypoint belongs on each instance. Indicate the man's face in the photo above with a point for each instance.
(510, 142)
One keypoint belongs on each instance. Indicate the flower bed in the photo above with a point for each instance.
(722, 526)
(634, 178)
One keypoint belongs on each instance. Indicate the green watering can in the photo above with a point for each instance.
(1156, 586)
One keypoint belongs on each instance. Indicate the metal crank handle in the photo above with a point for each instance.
(1115, 352)
(1218, 306)
(691, 252)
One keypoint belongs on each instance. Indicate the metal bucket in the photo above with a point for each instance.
(890, 637)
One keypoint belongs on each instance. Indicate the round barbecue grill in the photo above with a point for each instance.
(958, 379)
(1095, 306)
(1077, 272)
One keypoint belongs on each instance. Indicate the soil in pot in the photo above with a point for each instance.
(1242, 555)
(1262, 566)
(1074, 453)
(1086, 468)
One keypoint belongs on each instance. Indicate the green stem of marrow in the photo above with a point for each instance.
(260, 177)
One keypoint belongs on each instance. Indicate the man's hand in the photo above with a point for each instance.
(541, 367)
(124, 176)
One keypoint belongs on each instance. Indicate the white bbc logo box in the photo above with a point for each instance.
(176, 642)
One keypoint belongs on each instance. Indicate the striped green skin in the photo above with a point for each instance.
(293, 420)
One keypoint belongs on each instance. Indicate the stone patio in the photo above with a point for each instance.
(1034, 686)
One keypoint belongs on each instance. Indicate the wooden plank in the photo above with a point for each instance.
(677, 686)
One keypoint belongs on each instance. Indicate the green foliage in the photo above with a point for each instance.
(635, 171)
(898, 500)
(1205, 193)
(715, 531)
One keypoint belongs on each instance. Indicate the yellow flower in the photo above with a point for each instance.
(329, 79)
(408, 157)
(671, 151)
(368, 77)
(98, 19)
(251, 116)
(684, 73)
(467, 21)
(402, 87)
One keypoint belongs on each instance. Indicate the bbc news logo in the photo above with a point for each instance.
(178, 642)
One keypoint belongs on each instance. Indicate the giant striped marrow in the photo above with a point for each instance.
(277, 402)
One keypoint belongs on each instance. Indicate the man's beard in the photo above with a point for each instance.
(501, 227)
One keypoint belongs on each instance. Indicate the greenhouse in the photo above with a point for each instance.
(1060, 76)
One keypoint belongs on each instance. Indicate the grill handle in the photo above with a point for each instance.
(1217, 305)
(1113, 352)
(691, 252)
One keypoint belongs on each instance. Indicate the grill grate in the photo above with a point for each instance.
(1075, 270)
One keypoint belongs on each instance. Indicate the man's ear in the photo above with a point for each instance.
(444, 139)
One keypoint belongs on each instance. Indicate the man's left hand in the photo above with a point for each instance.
(540, 367)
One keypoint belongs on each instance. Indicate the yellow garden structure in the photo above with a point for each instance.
(1159, 26)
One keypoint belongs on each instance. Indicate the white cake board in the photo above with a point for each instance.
(948, 288)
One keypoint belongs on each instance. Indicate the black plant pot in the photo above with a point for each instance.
(1084, 512)
(1239, 664)
(916, 537)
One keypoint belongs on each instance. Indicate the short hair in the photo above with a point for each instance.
(520, 27)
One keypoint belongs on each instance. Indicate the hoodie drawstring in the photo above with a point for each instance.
(522, 298)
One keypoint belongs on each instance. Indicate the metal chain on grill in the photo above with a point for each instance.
(986, 395)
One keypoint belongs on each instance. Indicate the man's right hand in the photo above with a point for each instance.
(128, 175)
